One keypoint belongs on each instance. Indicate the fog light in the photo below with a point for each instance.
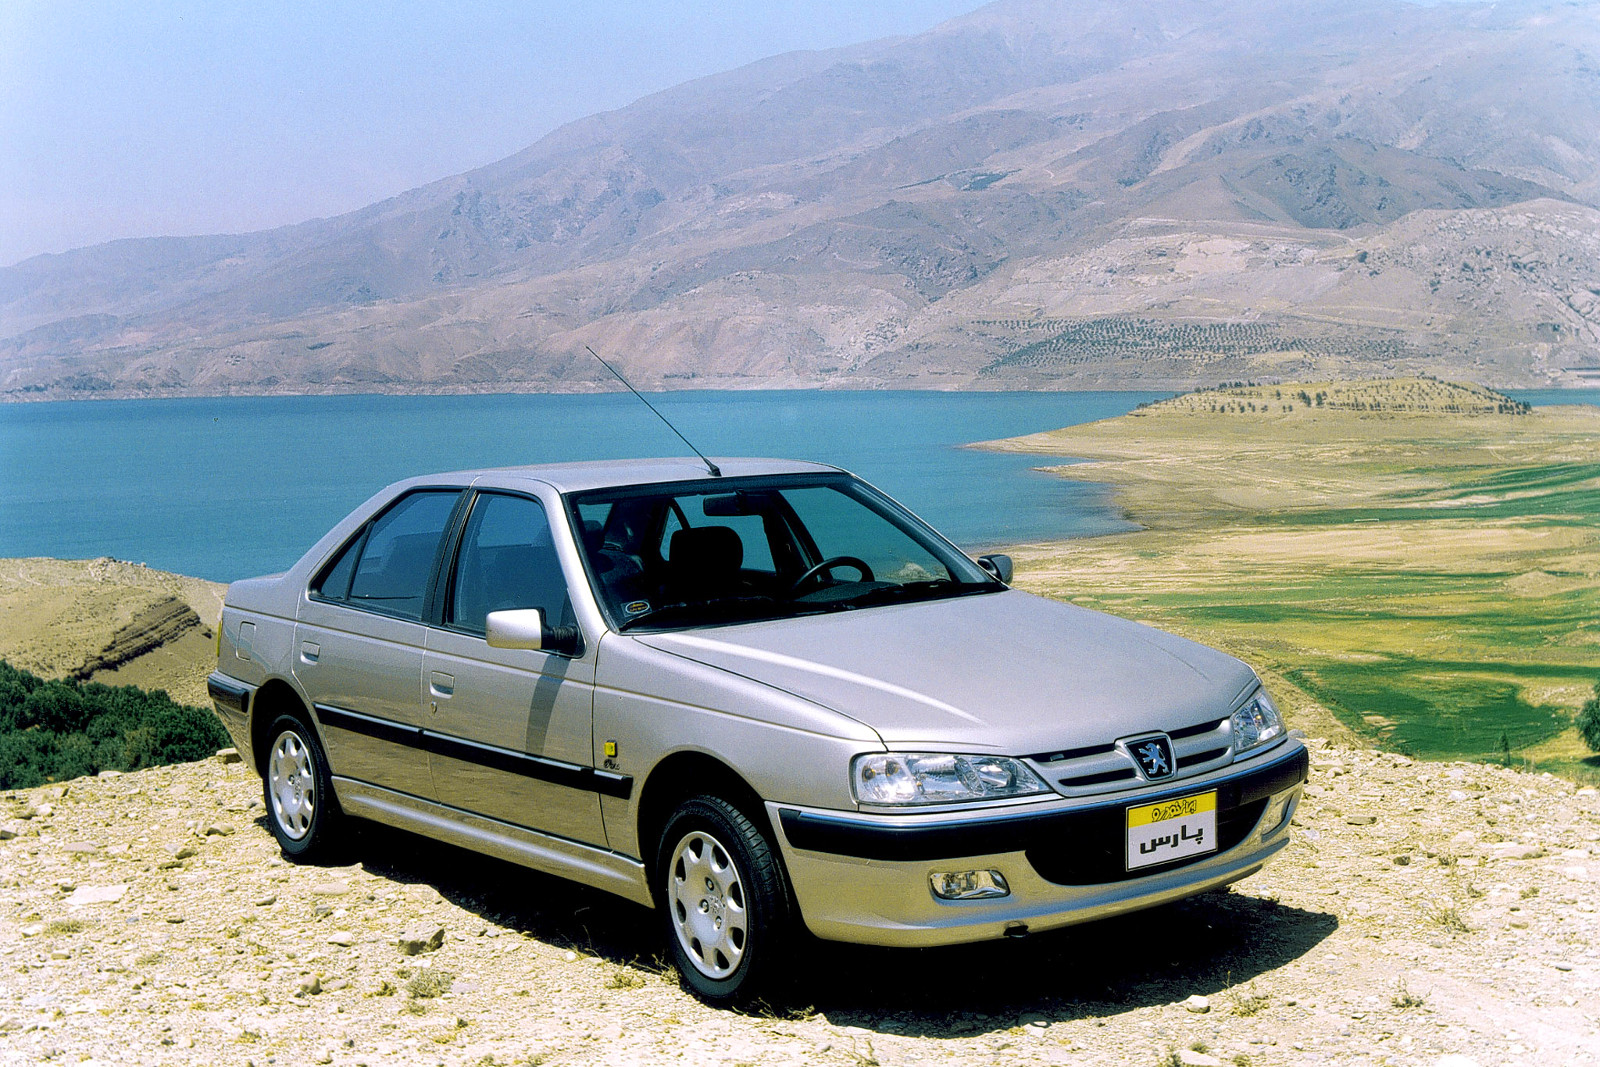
(969, 885)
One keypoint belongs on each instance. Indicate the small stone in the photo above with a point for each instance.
(1588, 791)
(570, 956)
(109, 774)
(1034, 1019)
(33, 930)
(6, 834)
(1512, 851)
(420, 939)
(1466, 838)
(1360, 820)
(82, 847)
(174, 919)
(1190, 1058)
(96, 894)
(217, 829)
(1197, 1004)
(267, 901)
(342, 938)
(417, 893)
(331, 889)
(60, 954)
(325, 1056)
(44, 811)
(228, 755)
(182, 852)
(1561, 965)
(310, 986)
(1455, 796)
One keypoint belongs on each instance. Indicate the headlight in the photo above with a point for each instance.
(938, 778)
(1256, 723)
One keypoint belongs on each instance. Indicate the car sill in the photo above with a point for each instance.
(597, 867)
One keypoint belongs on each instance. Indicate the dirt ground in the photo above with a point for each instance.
(1426, 914)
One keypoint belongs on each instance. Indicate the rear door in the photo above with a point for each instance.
(359, 643)
(510, 729)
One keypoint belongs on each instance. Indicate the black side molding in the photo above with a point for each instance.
(844, 836)
(558, 772)
(231, 694)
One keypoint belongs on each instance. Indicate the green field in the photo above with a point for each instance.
(1427, 578)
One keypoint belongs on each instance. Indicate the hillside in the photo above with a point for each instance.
(107, 621)
(1411, 562)
(1424, 911)
(1095, 193)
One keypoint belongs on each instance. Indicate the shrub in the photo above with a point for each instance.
(54, 730)
(1589, 721)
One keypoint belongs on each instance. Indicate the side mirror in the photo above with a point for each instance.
(525, 628)
(997, 564)
(515, 628)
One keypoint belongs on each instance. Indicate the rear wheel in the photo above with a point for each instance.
(301, 808)
(727, 906)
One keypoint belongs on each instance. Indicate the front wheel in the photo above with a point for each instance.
(301, 809)
(727, 905)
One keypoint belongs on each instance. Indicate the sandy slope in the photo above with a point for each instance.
(109, 621)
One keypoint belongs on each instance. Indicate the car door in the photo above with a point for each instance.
(510, 729)
(359, 643)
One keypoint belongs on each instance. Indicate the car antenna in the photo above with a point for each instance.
(710, 466)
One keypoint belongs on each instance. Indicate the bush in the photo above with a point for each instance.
(1589, 721)
(51, 731)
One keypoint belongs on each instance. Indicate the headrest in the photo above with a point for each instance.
(707, 550)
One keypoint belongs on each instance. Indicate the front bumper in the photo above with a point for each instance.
(864, 878)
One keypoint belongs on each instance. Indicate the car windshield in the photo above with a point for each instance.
(666, 557)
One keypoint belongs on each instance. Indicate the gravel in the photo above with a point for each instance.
(172, 945)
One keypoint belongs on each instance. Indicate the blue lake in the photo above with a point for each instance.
(228, 488)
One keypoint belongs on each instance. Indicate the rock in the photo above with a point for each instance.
(1512, 851)
(417, 893)
(1455, 796)
(81, 847)
(33, 930)
(342, 938)
(1465, 838)
(228, 755)
(109, 774)
(44, 811)
(182, 852)
(310, 987)
(331, 889)
(1197, 1004)
(218, 830)
(96, 894)
(420, 939)
(6, 834)
(1360, 820)
(1033, 1019)
(266, 901)
(1190, 1058)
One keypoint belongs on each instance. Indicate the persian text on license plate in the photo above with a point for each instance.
(1172, 830)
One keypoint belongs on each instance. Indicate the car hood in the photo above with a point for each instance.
(1003, 672)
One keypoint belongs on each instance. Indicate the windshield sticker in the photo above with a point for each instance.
(638, 607)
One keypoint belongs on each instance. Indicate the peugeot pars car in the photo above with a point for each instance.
(760, 697)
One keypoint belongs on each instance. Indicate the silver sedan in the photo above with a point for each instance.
(761, 698)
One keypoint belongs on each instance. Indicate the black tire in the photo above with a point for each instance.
(297, 788)
(730, 919)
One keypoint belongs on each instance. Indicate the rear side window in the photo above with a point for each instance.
(387, 567)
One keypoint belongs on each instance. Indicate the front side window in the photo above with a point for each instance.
(740, 550)
(507, 560)
(387, 567)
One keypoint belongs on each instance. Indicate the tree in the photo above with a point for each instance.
(1589, 721)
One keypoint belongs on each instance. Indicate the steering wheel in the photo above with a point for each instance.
(828, 565)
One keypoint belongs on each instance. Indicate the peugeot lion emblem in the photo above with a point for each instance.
(1154, 756)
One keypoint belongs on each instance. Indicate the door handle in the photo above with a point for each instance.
(441, 685)
(310, 651)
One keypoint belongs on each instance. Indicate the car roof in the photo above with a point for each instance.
(603, 474)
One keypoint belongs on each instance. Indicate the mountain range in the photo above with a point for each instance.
(1071, 194)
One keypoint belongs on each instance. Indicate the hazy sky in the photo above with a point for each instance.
(178, 117)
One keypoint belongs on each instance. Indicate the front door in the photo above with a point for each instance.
(509, 730)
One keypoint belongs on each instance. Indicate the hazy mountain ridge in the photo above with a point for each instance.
(864, 216)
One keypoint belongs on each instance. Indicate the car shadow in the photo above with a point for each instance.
(1209, 944)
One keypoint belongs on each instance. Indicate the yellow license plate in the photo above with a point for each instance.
(1172, 830)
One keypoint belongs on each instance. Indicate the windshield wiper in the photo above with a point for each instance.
(935, 589)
